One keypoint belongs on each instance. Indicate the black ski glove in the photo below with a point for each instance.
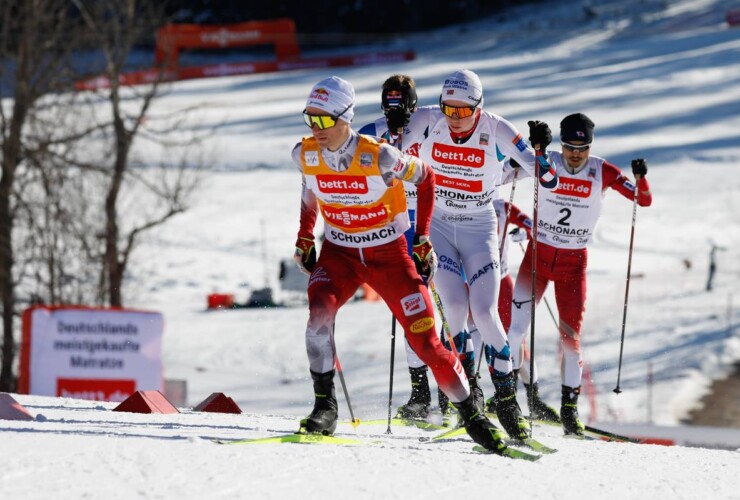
(397, 118)
(539, 134)
(639, 168)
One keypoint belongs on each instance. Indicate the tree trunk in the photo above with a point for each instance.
(112, 233)
(11, 155)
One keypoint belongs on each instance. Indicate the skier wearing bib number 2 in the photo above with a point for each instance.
(355, 182)
(466, 148)
(566, 222)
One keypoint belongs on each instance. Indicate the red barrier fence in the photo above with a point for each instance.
(277, 32)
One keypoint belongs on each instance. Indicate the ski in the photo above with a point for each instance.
(585, 437)
(457, 431)
(611, 436)
(510, 453)
(296, 437)
(407, 422)
(532, 444)
(596, 433)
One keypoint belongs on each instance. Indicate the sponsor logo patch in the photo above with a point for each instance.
(413, 304)
(345, 184)
(460, 156)
(483, 140)
(459, 84)
(318, 276)
(422, 325)
(96, 389)
(366, 160)
(518, 141)
(383, 234)
(461, 184)
(574, 187)
(311, 158)
(356, 217)
(320, 94)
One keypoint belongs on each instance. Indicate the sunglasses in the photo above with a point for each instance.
(455, 111)
(572, 148)
(322, 121)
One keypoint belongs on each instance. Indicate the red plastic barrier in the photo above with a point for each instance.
(278, 32)
(220, 300)
(218, 402)
(10, 409)
(147, 402)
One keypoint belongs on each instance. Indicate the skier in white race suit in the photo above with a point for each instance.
(466, 148)
(567, 217)
(399, 102)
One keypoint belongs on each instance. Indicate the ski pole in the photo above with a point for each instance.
(508, 214)
(617, 390)
(355, 421)
(535, 221)
(445, 325)
(547, 303)
(390, 383)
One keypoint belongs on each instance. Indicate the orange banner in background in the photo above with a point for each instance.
(278, 32)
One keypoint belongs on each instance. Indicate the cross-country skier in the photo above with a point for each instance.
(466, 148)
(355, 182)
(567, 217)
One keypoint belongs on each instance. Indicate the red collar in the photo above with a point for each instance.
(464, 136)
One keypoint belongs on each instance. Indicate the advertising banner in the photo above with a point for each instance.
(89, 353)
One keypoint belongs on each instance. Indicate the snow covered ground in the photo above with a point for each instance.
(660, 83)
(81, 449)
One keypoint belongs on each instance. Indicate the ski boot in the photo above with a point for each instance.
(569, 412)
(479, 428)
(538, 409)
(323, 418)
(417, 407)
(445, 408)
(491, 406)
(477, 393)
(507, 408)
